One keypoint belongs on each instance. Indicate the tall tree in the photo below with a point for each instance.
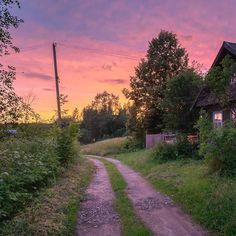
(10, 103)
(165, 59)
(180, 93)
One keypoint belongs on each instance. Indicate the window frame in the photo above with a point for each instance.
(217, 123)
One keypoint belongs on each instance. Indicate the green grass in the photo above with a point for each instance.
(105, 147)
(55, 211)
(130, 223)
(210, 199)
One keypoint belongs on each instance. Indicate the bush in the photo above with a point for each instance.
(185, 149)
(164, 152)
(132, 145)
(66, 139)
(25, 167)
(182, 149)
(30, 161)
(218, 146)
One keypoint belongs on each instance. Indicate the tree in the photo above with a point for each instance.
(106, 102)
(180, 94)
(103, 118)
(75, 114)
(219, 79)
(134, 123)
(165, 59)
(10, 103)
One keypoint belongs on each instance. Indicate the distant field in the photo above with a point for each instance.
(210, 199)
(105, 147)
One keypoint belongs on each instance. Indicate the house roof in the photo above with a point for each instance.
(208, 98)
(227, 48)
(205, 97)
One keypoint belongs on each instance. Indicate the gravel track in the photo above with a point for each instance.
(97, 216)
(156, 210)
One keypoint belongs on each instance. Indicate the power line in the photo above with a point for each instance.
(102, 52)
(90, 50)
(34, 47)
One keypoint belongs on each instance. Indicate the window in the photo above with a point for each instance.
(218, 119)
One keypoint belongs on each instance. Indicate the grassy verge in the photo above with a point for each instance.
(210, 199)
(131, 225)
(54, 212)
(105, 147)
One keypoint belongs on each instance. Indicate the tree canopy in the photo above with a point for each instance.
(180, 93)
(103, 118)
(10, 103)
(165, 59)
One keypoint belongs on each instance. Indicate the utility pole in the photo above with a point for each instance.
(57, 82)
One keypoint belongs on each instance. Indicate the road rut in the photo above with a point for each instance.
(156, 210)
(96, 215)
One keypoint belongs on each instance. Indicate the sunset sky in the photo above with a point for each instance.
(99, 42)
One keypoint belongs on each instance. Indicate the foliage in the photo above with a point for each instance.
(182, 149)
(30, 161)
(131, 224)
(132, 144)
(218, 80)
(10, 103)
(7, 20)
(164, 152)
(25, 167)
(54, 212)
(134, 124)
(218, 146)
(66, 145)
(210, 199)
(165, 59)
(104, 118)
(180, 94)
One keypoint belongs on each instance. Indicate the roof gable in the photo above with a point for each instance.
(205, 97)
(227, 48)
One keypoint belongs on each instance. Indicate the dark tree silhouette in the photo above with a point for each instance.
(10, 103)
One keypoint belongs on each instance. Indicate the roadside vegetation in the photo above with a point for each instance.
(130, 223)
(209, 198)
(54, 211)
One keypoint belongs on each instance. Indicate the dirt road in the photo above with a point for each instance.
(157, 211)
(97, 216)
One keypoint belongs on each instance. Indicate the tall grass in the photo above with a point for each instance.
(105, 147)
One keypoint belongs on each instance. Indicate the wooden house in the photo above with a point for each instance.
(208, 101)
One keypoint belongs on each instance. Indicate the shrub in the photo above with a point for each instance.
(132, 145)
(218, 146)
(182, 149)
(30, 161)
(25, 167)
(164, 152)
(185, 149)
(66, 139)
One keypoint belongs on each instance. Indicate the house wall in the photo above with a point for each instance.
(211, 109)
